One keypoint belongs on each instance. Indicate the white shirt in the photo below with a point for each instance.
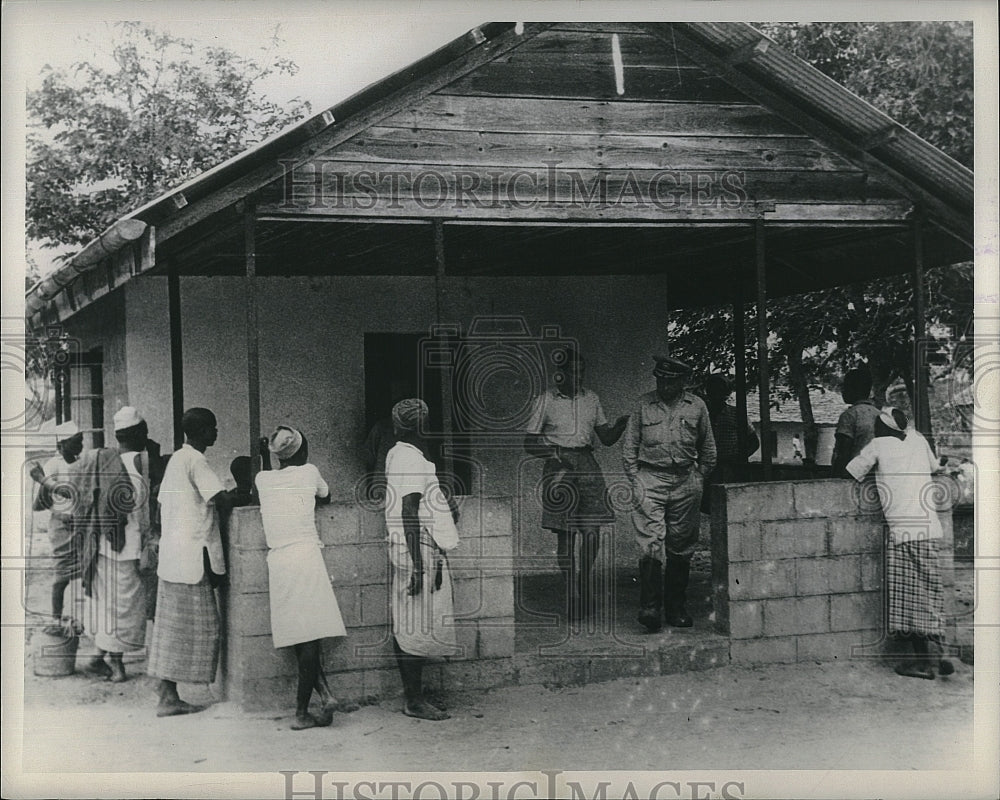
(288, 503)
(566, 421)
(133, 523)
(905, 486)
(190, 523)
(406, 472)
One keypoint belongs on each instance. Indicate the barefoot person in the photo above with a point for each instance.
(55, 474)
(116, 618)
(417, 517)
(903, 464)
(304, 610)
(185, 645)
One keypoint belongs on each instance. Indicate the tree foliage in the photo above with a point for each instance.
(145, 115)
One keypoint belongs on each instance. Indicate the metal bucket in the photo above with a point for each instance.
(54, 655)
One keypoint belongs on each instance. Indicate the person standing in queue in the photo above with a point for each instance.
(421, 526)
(194, 506)
(667, 452)
(53, 495)
(856, 426)
(574, 495)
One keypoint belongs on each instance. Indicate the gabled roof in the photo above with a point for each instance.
(674, 70)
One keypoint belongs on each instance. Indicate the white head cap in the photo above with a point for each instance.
(66, 431)
(127, 417)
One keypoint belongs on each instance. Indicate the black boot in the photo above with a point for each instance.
(650, 593)
(675, 583)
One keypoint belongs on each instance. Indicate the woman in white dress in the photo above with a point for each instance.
(304, 609)
(421, 526)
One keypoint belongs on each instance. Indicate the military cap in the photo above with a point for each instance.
(667, 367)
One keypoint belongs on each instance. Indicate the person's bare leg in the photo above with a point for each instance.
(307, 655)
(170, 704)
(98, 667)
(117, 667)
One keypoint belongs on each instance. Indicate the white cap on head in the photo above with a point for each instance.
(66, 431)
(127, 417)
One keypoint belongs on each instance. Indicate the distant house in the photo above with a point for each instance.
(786, 423)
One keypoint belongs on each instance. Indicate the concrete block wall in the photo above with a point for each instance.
(797, 570)
(258, 676)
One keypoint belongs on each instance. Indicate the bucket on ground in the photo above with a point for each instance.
(54, 654)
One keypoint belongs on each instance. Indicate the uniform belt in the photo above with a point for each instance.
(671, 469)
(584, 449)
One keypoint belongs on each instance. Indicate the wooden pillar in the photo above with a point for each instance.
(253, 334)
(176, 351)
(740, 362)
(921, 405)
(762, 371)
(447, 398)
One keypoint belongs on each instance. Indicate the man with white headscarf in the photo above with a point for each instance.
(421, 528)
(904, 462)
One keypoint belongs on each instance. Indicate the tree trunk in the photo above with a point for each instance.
(797, 378)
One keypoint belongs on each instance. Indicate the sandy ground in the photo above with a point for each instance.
(815, 716)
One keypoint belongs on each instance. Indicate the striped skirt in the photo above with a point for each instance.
(916, 599)
(185, 644)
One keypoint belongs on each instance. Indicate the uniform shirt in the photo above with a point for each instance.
(189, 520)
(858, 424)
(905, 485)
(288, 504)
(137, 519)
(675, 436)
(566, 421)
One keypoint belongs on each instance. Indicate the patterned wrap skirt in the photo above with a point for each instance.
(916, 599)
(185, 644)
(574, 497)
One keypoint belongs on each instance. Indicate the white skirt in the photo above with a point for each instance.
(423, 625)
(303, 605)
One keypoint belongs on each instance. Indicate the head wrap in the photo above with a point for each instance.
(127, 417)
(894, 419)
(667, 367)
(66, 431)
(285, 442)
(407, 415)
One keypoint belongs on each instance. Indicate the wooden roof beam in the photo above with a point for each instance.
(956, 224)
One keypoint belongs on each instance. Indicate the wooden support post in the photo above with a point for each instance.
(447, 398)
(176, 351)
(762, 371)
(921, 405)
(253, 335)
(740, 362)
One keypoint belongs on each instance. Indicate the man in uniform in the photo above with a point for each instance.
(667, 452)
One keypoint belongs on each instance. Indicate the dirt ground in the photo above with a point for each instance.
(811, 716)
(855, 715)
